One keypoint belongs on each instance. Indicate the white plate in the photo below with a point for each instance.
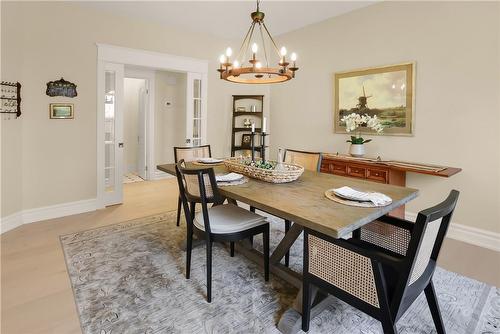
(228, 177)
(210, 160)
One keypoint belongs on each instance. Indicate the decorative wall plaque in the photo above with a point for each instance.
(61, 88)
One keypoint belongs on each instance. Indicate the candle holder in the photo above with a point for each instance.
(253, 146)
(263, 146)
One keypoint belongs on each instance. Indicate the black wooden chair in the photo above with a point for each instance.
(383, 268)
(310, 161)
(221, 222)
(190, 153)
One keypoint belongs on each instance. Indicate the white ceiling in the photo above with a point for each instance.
(228, 19)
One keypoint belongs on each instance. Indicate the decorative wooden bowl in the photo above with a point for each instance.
(289, 173)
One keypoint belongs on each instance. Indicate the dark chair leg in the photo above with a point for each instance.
(287, 255)
(430, 294)
(388, 325)
(209, 270)
(189, 248)
(231, 244)
(252, 209)
(179, 211)
(306, 304)
(265, 241)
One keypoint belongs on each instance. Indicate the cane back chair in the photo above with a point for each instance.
(187, 154)
(383, 268)
(221, 222)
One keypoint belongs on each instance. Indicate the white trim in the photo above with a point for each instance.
(471, 235)
(48, 212)
(10, 222)
(150, 59)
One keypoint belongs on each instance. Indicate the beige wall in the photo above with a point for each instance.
(47, 40)
(170, 121)
(456, 49)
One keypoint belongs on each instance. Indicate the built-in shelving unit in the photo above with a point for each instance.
(245, 107)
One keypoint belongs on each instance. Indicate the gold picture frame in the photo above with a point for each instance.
(61, 111)
(385, 91)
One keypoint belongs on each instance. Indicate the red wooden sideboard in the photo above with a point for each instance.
(377, 170)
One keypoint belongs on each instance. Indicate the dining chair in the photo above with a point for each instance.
(221, 222)
(310, 161)
(383, 268)
(191, 153)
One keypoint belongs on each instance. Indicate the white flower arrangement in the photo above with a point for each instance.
(354, 121)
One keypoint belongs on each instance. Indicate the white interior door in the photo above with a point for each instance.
(196, 109)
(141, 136)
(113, 133)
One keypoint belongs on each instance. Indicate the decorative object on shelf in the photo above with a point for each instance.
(387, 92)
(244, 102)
(61, 87)
(11, 99)
(354, 122)
(247, 123)
(265, 171)
(253, 108)
(61, 111)
(257, 72)
(246, 141)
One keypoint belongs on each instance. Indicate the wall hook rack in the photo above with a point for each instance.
(11, 98)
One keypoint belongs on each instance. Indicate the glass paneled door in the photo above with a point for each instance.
(196, 119)
(113, 133)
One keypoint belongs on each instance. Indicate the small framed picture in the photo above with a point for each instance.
(246, 141)
(61, 111)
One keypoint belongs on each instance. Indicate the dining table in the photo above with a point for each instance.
(303, 202)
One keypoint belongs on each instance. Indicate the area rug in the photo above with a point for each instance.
(129, 278)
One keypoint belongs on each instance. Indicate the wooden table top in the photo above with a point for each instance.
(303, 201)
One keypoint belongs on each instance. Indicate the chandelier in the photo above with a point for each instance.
(257, 71)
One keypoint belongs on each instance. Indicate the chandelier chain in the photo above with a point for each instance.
(272, 40)
(263, 44)
(243, 47)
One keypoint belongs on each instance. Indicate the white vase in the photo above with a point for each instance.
(357, 150)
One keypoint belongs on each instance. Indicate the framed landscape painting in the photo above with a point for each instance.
(386, 92)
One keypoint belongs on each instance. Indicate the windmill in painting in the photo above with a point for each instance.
(386, 93)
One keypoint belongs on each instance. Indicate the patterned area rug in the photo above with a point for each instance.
(129, 278)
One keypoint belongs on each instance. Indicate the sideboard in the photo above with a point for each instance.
(382, 171)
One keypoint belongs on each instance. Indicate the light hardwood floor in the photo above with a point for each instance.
(36, 295)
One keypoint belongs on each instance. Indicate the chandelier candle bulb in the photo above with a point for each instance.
(229, 52)
(264, 123)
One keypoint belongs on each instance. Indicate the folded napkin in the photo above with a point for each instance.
(378, 199)
(228, 177)
(209, 160)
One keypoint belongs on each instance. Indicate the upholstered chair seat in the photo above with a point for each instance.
(229, 218)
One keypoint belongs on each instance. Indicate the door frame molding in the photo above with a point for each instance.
(141, 58)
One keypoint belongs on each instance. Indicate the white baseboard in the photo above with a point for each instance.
(471, 235)
(10, 222)
(48, 212)
(159, 175)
